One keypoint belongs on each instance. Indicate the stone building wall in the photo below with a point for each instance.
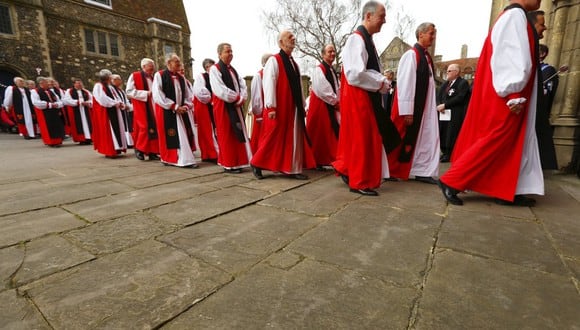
(51, 35)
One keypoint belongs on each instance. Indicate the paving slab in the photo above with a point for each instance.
(321, 199)
(48, 255)
(138, 288)
(468, 292)
(193, 210)
(115, 235)
(47, 195)
(17, 313)
(377, 240)
(73, 174)
(512, 240)
(26, 226)
(574, 265)
(238, 240)
(155, 178)
(478, 203)
(225, 180)
(410, 195)
(10, 261)
(110, 207)
(311, 295)
(274, 183)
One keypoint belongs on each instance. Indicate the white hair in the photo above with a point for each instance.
(115, 76)
(146, 61)
(17, 79)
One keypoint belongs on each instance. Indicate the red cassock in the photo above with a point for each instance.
(102, 135)
(144, 125)
(233, 153)
(49, 120)
(74, 114)
(319, 128)
(360, 145)
(205, 132)
(488, 151)
(256, 133)
(276, 146)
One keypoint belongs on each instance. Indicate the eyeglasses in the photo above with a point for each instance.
(451, 71)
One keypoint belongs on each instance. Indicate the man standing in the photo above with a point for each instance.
(17, 97)
(48, 109)
(117, 84)
(322, 119)
(496, 153)
(173, 112)
(54, 86)
(257, 105)
(415, 112)
(203, 114)
(453, 97)
(139, 90)
(284, 145)
(546, 93)
(364, 138)
(229, 94)
(79, 102)
(109, 138)
(388, 97)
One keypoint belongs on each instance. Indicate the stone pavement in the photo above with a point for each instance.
(88, 242)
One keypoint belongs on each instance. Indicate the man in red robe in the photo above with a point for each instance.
(109, 128)
(257, 105)
(79, 103)
(138, 89)
(203, 113)
(229, 94)
(48, 108)
(174, 115)
(322, 119)
(18, 101)
(284, 145)
(361, 157)
(496, 153)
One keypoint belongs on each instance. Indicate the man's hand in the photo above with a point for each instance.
(272, 114)
(441, 108)
(517, 108)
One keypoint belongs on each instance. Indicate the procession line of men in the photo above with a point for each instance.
(349, 125)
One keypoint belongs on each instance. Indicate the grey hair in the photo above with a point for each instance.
(265, 58)
(41, 79)
(423, 27)
(369, 7)
(146, 61)
(169, 57)
(206, 62)
(221, 47)
(105, 74)
(16, 79)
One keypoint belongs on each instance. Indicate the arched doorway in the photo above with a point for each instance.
(6, 79)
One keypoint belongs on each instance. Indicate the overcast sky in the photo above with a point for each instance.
(239, 23)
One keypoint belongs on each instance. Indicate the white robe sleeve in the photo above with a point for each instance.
(511, 60)
(36, 101)
(158, 95)
(257, 101)
(406, 83)
(354, 60)
(269, 82)
(133, 92)
(322, 88)
(8, 97)
(219, 88)
(68, 100)
(101, 97)
(200, 91)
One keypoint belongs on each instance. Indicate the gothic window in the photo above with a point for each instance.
(168, 49)
(101, 3)
(5, 20)
(101, 42)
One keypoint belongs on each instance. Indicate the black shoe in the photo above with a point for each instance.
(210, 160)
(519, 200)
(320, 168)
(344, 178)
(257, 172)
(449, 193)
(365, 192)
(233, 170)
(26, 137)
(153, 157)
(445, 159)
(425, 179)
(193, 166)
(298, 176)
(139, 155)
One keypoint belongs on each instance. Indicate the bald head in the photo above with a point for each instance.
(287, 41)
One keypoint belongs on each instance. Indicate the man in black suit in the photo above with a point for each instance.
(454, 96)
(388, 97)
